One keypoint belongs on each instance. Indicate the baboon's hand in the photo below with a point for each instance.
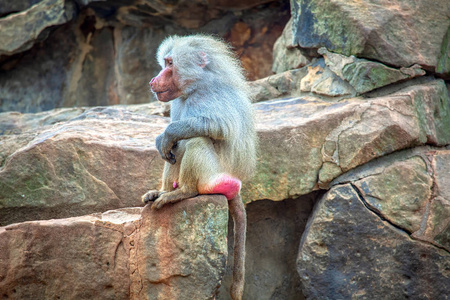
(164, 144)
(150, 196)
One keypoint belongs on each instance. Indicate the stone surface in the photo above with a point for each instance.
(364, 75)
(306, 143)
(165, 254)
(180, 251)
(79, 166)
(349, 251)
(40, 260)
(105, 158)
(322, 81)
(277, 86)
(21, 30)
(285, 55)
(399, 34)
(273, 235)
(407, 189)
(105, 54)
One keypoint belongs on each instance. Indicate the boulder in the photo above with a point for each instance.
(277, 86)
(78, 167)
(400, 34)
(320, 80)
(348, 250)
(307, 142)
(20, 31)
(408, 190)
(364, 75)
(285, 55)
(131, 253)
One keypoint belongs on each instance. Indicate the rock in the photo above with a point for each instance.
(348, 250)
(407, 189)
(306, 142)
(118, 254)
(277, 86)
(181, 248)
(103, 52)
(364, 75)
(21, 30)
(7, 7)
(285, 55)
(79, 167)
(273, 235)
(321, 81)
(89, 254)
(400, 34)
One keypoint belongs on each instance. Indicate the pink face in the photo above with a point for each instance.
(166, 85)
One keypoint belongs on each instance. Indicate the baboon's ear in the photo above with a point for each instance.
(203, 59)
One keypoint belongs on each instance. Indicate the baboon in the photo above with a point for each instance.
(209, 146)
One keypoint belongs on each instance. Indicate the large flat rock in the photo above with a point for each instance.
(306, 143)
(132, 253)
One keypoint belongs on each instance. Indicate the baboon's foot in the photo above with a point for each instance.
(151, 196)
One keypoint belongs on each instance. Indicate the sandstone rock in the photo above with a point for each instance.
(407, 189)
(400, 34)
(7, 7)
(181, 250)
(273, 235)
(320, 80)
(285, 55)
(277, 86)
(21, 30)
(80, 166)
(76, 258)
(364, 75)
(105, 55)
(306, 143)
(166, 254)
(348, 250)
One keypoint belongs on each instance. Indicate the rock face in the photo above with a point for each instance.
(77, 167)
(131, 253)
(350, 198)
(400, 34)
(66, 53)
(365, 256)
(306, 143)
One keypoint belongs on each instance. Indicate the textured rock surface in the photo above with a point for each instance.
(409, 190)
(79, 166)
(21, 30)
(119, 254)
(306, 142)
(285, 55)
(364, 75)
(399, 34)
(102, 52)
(277, 86)
(273, 236)
(349, 251)
(180, 251)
